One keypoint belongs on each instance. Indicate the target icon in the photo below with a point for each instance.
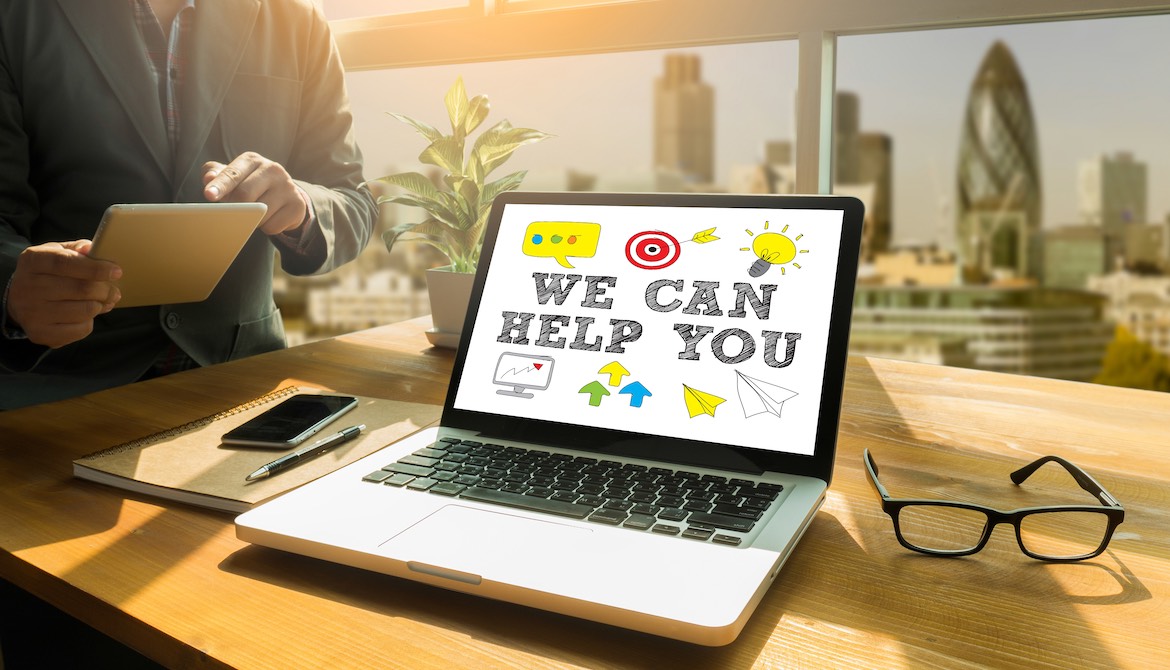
(652, 250)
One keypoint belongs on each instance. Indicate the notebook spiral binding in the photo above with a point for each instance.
(197, 423)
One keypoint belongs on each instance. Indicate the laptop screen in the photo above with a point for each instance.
(698, 319)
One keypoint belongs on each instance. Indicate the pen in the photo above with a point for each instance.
(315, 449)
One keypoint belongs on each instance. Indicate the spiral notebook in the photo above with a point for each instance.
(189, 464)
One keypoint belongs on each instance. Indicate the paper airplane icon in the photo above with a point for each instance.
(758, 396)
(699, 402)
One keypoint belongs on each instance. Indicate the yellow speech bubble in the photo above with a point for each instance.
(560, 239)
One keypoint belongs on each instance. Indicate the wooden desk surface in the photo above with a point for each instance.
(174, 582)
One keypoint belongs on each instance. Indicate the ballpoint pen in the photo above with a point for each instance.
(304, 453)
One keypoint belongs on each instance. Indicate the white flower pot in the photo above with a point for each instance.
(449, 293)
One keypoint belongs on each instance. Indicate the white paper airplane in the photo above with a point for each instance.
(758, 396)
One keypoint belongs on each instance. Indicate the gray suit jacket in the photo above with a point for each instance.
(81, 129)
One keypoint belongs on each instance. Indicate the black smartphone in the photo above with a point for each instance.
(291, 422)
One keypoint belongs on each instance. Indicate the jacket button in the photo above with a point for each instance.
(172, 320)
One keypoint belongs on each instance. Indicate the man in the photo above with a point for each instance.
(135, 101)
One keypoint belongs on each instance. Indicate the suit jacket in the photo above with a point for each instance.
(81, 128)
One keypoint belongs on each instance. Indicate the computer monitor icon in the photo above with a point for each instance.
(522, 372)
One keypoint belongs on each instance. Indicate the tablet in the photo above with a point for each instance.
(173, 252)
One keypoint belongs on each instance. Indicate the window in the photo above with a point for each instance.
(852, 97)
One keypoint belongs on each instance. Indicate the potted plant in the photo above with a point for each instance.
(456, 207)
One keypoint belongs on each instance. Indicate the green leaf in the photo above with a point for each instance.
(425, 130)
(437, 208)
(475, 171)
(477, 112)
(491, 190)
(495, 146)
(457, 107)
(446, 153)
(411, 181)
(453, 203)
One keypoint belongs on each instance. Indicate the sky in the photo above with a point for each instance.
(1096, 87)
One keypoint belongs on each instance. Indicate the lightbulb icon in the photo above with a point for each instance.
(772, 249)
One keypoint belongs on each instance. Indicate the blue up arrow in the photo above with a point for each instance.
(636, 392)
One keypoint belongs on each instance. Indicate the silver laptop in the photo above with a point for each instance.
(641, 422)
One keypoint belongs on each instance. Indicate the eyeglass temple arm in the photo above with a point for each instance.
(1083, 478)
(872, 468)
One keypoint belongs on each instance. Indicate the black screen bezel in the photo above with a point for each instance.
(608, 442)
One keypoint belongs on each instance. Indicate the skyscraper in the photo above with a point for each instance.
(999, 200)
(684, 120)
(1112, 195)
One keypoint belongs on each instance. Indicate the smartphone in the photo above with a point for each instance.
(291, 422)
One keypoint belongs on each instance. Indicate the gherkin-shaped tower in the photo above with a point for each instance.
(998, 205)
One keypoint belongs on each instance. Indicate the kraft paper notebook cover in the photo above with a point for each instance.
(189, 464)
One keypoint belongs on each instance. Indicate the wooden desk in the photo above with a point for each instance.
(173, 582)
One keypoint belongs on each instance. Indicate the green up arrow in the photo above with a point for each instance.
(596, 392)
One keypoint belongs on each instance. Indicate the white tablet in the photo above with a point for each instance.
(174, 252)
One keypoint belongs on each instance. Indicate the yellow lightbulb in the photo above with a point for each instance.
(771, 249)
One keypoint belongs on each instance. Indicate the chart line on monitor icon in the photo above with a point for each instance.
(522, 373)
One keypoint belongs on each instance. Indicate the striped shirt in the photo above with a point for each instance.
(167, 59)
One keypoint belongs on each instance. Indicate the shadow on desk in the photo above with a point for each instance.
(545, 634)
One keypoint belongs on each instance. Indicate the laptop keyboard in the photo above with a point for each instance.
(658, 500)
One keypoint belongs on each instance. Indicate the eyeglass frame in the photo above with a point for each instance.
(1113, 510)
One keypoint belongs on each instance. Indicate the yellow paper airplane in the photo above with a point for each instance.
(699, 402)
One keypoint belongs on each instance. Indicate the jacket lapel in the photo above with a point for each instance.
(220, 35)
(110, 35)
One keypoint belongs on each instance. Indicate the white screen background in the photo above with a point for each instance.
(800, 303)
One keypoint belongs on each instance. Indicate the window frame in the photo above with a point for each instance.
(492, 30)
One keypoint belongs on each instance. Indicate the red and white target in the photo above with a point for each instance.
(652, 250)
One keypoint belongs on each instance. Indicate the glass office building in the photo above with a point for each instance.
(998, 205)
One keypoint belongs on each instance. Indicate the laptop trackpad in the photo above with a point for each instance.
(463, 544)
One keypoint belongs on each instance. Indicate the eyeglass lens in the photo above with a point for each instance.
(1047, 534)
(1063, 534)
(941, 527)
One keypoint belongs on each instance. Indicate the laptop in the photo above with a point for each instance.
(641, 420)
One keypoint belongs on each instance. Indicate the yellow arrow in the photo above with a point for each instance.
(615, 372)
(699, 402)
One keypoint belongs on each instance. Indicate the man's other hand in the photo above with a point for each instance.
(57, 290)
(253, 178)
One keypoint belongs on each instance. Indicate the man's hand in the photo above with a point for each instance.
(253, 178)
(57, 290)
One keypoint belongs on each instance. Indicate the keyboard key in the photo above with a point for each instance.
(644, 508)
(407, 469)
(377, 476)
(513, 487)
(443, 476)
(639, 522)
(666, 529)
(757, 503)
(672, 514)
(427, 452)
(722, 521)
(564, 496)
(421, 484)
(526, 502)
(466, 480)
(611, 517)
(742, 512)
(539, 492)
(447, 488)
(399, 480)
(592, 501)
(697, 533)
(623, 505)
(726, 539)
(419, 460)
(697, 506)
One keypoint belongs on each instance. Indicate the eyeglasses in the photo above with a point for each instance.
(1049, 533)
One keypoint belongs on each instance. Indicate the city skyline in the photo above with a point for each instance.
(601, 110)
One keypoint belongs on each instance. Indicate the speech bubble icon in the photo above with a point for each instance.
(561, 239)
